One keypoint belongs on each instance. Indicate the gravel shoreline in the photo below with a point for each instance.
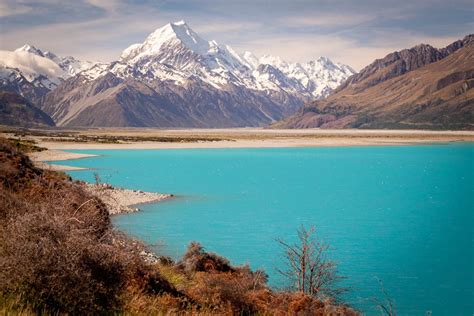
(120, 200)
(117, 200)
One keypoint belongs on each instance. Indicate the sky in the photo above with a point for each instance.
(351, 32)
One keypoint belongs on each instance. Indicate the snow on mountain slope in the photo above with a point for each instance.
(32, 67)
(31, 72)
(70, 65)
(175, 52)
(185, 54)
(171, 32)
(316, 78)
(174, 78)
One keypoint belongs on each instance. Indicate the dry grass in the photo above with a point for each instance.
(58, 252)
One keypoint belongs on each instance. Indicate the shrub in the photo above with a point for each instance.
(217, 284)
(53, 267)
(195, 259)
(58, 252)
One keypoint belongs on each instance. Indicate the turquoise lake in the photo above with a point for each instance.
(403, 214)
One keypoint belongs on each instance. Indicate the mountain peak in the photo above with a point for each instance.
(25, 47)
(30, 49)
(175, 31)
(173, 26)
(323, 59)
(179, 23)
(38, 52)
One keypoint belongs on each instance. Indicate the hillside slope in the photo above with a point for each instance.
(418, 88)
(17, 111)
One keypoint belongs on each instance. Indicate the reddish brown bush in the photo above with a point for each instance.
(57, 250)
(223, 290)
(287, 303)
(195, 259)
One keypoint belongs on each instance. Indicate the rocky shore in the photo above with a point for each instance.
(120, 200)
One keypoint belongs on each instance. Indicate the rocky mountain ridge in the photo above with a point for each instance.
(177, 79)
(421, 87)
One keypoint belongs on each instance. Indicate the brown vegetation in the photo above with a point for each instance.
(60, 255)
(58, 252)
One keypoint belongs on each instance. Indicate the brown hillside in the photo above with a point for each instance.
(436, 95)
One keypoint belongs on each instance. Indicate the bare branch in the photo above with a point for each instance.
(307, 267)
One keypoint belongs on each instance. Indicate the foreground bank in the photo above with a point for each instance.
(60, 254)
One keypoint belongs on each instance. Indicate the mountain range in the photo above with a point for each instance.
(421, 87)
(31, 72)
(173, 79)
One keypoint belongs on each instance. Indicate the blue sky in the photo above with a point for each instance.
(352, 32)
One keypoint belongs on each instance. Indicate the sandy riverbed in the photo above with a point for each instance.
(256, 138)
(232, 138)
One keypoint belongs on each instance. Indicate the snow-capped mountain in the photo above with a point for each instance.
(175, 78)
(31, 72)
(40, 71)
(176, 53)
(69, 65)
(315, 78)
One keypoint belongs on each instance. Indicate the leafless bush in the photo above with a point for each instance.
(97, 178)
(308, 268)
(386, 305)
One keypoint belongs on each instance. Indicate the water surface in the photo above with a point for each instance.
(402, 214)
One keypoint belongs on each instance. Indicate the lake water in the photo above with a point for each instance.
(402, 214)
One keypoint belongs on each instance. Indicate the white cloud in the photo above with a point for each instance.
(30, 64)
(99, 40)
